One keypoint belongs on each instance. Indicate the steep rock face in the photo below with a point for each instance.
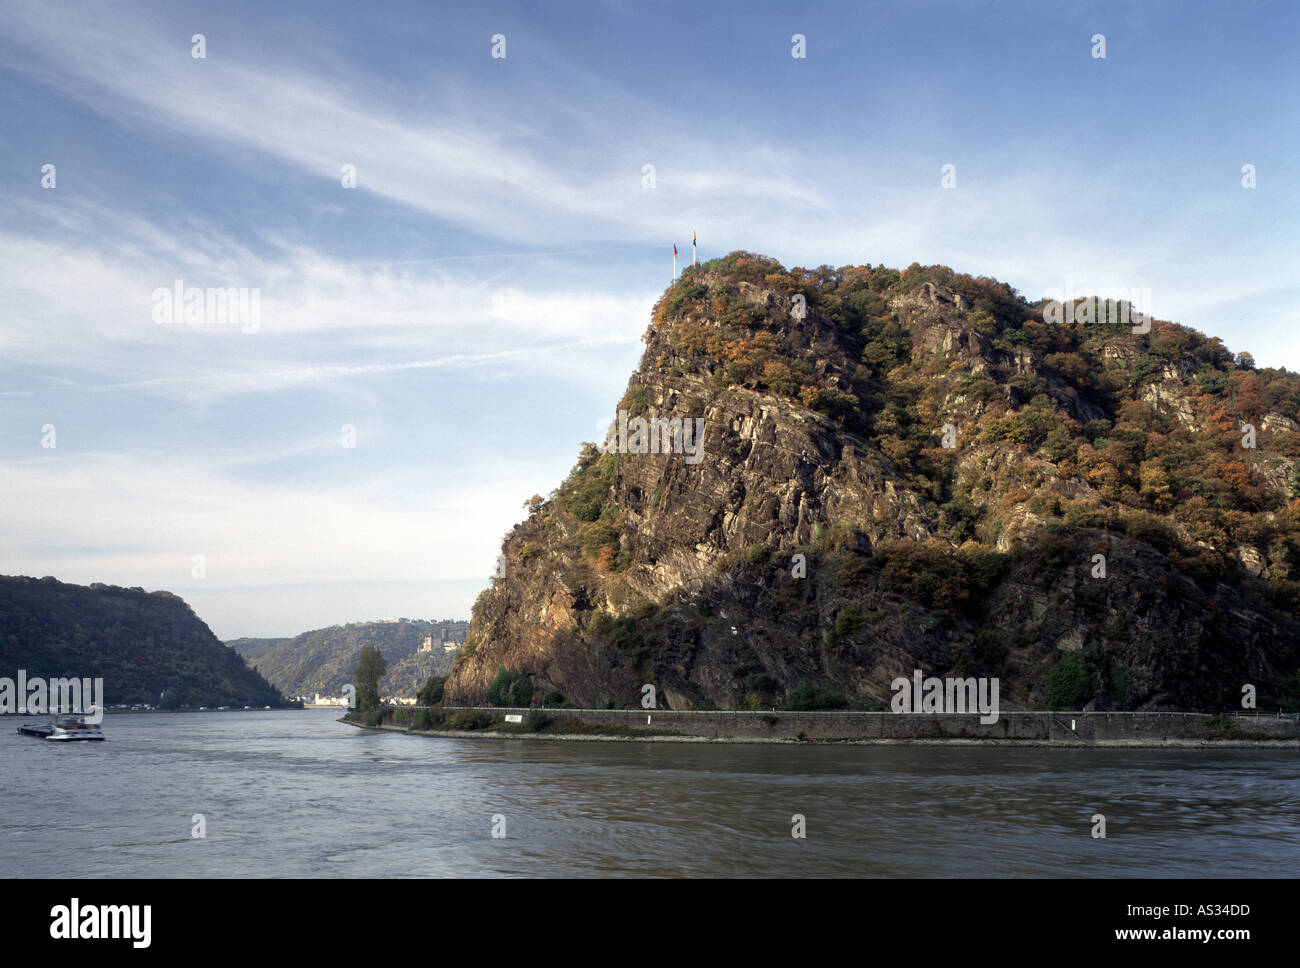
(900, 471)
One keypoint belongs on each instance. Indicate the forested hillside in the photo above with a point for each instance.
(149, 647)
(323, 660)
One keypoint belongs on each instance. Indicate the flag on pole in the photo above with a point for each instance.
(694, 260)
(674, 260)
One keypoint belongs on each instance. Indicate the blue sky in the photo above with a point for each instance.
(473, 307)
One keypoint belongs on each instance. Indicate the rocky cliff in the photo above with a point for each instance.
(820, 480)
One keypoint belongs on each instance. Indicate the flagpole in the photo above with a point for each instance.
(674, 262)
(694, 261)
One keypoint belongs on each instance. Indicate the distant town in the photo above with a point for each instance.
(324, 702)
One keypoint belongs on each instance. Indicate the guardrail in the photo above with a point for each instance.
(1252, 714)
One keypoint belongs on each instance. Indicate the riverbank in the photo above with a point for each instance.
(1018, 728)
(198, 709)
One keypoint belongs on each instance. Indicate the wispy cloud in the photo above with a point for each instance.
(207, 386)
(84, 303)
(152, 512)
(477, 171)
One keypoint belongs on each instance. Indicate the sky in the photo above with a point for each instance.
(432, 343)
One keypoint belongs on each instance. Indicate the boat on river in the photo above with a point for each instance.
(65, 729)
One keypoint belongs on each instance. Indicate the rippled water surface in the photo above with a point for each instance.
(299, 794)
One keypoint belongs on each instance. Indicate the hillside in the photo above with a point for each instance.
(913, 469)
(253, 648)
(323, 660)
(143, 644)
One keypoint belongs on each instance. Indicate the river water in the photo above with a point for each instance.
(294, 794)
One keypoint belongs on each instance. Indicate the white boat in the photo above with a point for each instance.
(65, 729)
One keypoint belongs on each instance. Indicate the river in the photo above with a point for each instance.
(297, 794)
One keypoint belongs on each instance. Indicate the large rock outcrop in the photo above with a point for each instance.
(900, 471)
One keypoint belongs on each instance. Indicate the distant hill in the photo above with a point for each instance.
(252, 648)
(323, 660)
(142, 644)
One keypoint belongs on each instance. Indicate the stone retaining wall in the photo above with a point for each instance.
(1063, 728)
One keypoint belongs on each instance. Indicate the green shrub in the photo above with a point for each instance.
(681, 293)
(984, 569)
(1290, 693)
(754, 700)
(854, 570)
(431, 693)
(511, 688)
(815, 695)
(597, 535)
(470, 719)
(589, 499)
(759, 682)
(927, 573)
(627, 637)
(1121, 686)
(636, 402)
(847, 621)
(839, 406)
(1067, 683)
(536, 721)
(965, 514)
(424, 720)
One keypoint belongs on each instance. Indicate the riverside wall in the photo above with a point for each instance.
(1071, 728)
